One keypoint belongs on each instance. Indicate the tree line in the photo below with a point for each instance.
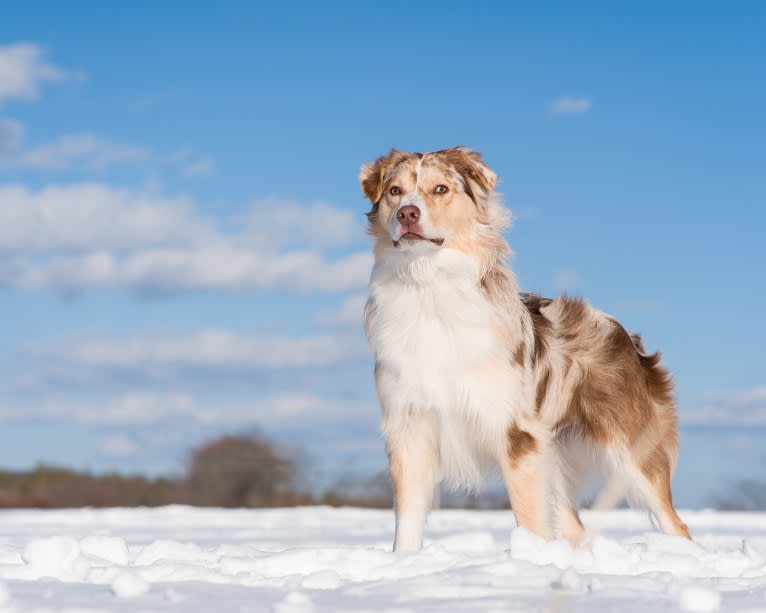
(252, 471)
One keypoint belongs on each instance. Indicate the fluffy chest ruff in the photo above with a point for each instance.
(442, 355)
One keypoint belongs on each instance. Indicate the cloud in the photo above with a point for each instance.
(24, 69)
(11, 136)
(151, 101)
(94, 153)
(198, 358)
(567, 105)
(92, 216)
(565, 279)
(161, 271)
(117, 445)
(202, 167)
(81, 236)
(142, 409)
(213, 349)
(741, 408)
(274, 221)
(350, 313)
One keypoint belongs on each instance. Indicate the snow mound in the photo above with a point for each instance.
(129, 585)
(322, 559)
(699, 599)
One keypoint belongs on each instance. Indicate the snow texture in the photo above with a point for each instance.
(321, 559)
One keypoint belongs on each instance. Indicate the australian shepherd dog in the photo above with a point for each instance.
(472, 374)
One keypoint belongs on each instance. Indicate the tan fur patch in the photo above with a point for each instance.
(519, 355)
(520, 443)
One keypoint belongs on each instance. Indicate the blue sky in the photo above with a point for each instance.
(182, 248)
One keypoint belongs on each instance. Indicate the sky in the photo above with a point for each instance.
(182, 244)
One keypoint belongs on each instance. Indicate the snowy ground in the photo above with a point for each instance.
(321, 559)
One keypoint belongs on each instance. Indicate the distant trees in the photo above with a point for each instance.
(354, 490)
(244, 471)
(232, 471)
(49, 487)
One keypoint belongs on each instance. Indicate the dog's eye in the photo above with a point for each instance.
(441, 189)
(395, 190)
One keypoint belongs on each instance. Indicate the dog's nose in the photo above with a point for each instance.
(408, 214)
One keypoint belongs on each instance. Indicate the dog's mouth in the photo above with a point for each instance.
(414, 236)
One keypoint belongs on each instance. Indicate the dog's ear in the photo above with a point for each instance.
(471, 167)
(372, 175)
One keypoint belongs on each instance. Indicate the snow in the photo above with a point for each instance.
(322, 559)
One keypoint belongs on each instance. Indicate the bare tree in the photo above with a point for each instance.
(242, 471)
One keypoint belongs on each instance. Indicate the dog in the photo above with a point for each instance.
(471, 374)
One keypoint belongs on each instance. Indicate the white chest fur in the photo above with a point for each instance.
(439, 348)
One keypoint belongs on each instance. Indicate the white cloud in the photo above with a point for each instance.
(202, 167)
(567, 105)
(92, 216)
(158, 271)
(207, 349)
(117, 445)
(350, 313)
(11, 136)
(91, 235)
(741, 408)
(138, 409)
(94, 153)
(23, 69)
(274, 221)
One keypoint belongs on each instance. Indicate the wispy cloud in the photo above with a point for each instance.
(202, 360)
(11, 136)
(738, 408)
(210, 350)
(276, 221)
(80, 236)
(117, 445)
(24, 69)
(567, 105)
(92, 152)
(151, 101)
(350, 313)
(93, 217)
(139, 409)
(202, 167)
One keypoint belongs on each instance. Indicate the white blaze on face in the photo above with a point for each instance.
(413, 198)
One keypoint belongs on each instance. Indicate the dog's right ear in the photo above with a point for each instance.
(373, 175)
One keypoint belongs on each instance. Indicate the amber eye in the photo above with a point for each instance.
(441, 189)
(395, 190)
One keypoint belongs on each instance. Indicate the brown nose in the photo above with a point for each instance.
(409, 214)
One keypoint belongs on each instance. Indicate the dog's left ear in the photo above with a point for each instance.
(473, 170)
(372, 175)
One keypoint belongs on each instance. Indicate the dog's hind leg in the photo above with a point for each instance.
(413, 461)
(566, 479)
(645, 477)
(655, 489)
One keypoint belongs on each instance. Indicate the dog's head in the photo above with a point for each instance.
(423, 202)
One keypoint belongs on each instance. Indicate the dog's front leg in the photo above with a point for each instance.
(526, 472)
(413, 464)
